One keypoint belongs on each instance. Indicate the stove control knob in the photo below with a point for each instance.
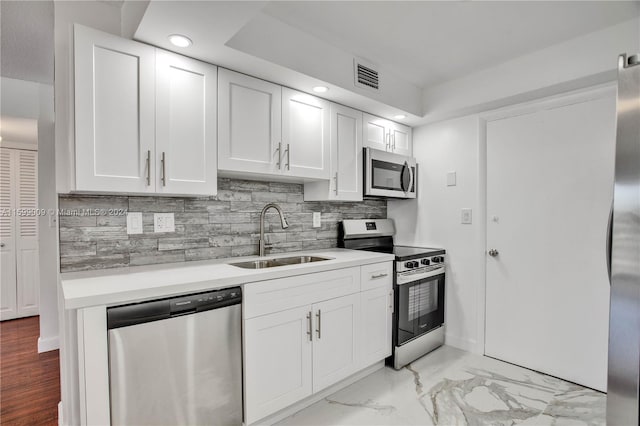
(416, 264)
(408, 265)
(425, 262)
(437, 259)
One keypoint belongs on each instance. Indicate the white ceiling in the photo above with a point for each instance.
(417, 45)
(27, 40)
(429, 42)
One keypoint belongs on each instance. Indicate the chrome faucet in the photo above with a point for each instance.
(283, 222)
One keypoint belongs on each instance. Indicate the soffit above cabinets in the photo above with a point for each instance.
(415, 45)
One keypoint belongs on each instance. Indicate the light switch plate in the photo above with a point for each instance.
(134, 223)
(451, 179)
(466, 216)
(317, 222)
(163, 222)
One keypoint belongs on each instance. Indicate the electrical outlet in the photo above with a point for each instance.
(317, 222)
(134, 223)
(466, 216)
(163, 222)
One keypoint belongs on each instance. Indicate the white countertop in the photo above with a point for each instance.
(125, 285)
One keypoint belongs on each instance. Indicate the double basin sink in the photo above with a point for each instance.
(282, 261)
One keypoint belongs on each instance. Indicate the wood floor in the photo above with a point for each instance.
(29, 381)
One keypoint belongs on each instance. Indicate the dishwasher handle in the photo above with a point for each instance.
(155, 310)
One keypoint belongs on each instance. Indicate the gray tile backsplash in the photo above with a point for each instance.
(205, 228)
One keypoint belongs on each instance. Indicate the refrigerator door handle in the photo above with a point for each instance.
(609, 241)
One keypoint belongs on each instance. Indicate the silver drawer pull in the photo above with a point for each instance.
(319, 316)
(375, 277)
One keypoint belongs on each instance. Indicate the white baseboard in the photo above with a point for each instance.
(60, 415)
(48, 344)
(468, 345)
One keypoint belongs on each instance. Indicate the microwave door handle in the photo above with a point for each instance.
(405, 177)
(412, 176)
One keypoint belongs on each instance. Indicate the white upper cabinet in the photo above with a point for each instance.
(114, 112)
(249, 120)
(185, 125)
(132, 104)
(346, 159)
(305, 135)
(387, 135)
(400, 139)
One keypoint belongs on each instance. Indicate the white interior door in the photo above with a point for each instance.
(8, 273)
(549, 190)
(186, 131)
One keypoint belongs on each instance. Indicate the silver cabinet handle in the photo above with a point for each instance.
(288, 151)
(279, 151)
(493, 252)
(164, 172)
(387, 138)
(319, 317)
(309, 327)
(149, 168)
(336, 179)
(391, 301)
(394, 142)
(375, 277)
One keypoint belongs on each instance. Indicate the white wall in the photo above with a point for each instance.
(433, 219)
(577, 63)
(26, 99)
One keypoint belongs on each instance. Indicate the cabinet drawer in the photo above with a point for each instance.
(264, 297)
(377, 275)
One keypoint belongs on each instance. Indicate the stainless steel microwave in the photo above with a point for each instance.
(389, 175)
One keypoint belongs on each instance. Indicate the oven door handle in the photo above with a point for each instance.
(419, 277)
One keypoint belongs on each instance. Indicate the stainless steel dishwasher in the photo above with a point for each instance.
(177, 361)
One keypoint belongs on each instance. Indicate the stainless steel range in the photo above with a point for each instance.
(418, 319)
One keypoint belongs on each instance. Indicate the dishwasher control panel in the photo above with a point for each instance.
(139, 313)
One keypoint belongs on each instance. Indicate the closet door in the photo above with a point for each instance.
(7, 237)
(27, 261)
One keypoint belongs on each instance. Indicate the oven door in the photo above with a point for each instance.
(420, 307)
(389, 175)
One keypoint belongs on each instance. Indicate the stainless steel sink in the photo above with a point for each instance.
(283, 261)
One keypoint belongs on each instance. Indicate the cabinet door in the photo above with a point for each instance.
(277, 361)
(346, 153)
(375, 335)
(186, 131)
(249, 124)
(400, 139)
(8, 279)
(335, 346)
(306, 150)
(114, 113)
(376, 132)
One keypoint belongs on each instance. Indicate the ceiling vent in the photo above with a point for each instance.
(366, 76)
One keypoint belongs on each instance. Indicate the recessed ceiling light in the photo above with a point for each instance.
(180, 40)
(320, 89)
(400, 117)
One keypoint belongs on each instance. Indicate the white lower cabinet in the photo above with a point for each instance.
(277, 366)
(335, 348)
(298, 350)
(375, 335)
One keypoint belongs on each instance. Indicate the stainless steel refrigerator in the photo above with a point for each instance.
(623, 406)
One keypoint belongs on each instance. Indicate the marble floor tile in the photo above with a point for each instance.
(453, 387)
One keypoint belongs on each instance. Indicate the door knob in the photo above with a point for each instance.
(1, 244)
(493, 252)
